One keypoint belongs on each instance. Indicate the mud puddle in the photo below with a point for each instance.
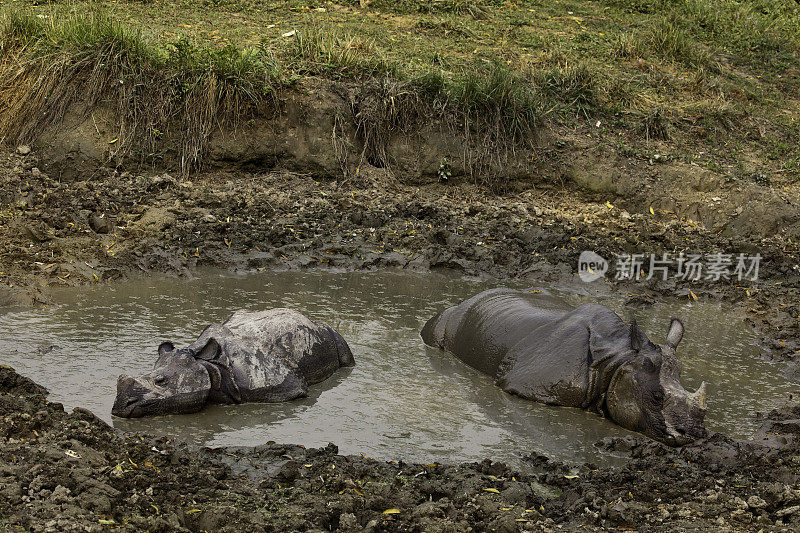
(401, 401)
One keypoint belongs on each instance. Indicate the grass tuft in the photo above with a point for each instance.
(315, 51)
(668, 40)
(573, 88)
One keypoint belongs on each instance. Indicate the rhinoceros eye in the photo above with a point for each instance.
(658, 396)
(160, 380)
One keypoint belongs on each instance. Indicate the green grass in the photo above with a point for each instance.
(86, 58)
(751, 27)
(315, 51)
(572, 88)
(500, 67)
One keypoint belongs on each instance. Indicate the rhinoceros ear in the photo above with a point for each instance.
(638, 338)
(223, 380)
(675, 333)
(209, 351)
(165, 347)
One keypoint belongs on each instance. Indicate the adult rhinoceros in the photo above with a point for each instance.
(539, 347)
(254, 356)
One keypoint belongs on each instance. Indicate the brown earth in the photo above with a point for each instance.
(107, 224)
(65, 224)
(72, 472)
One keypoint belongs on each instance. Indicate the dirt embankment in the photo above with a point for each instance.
(106, 225)
(72, 472)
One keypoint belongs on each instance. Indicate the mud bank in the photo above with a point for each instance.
(72, 472)
(108, 226)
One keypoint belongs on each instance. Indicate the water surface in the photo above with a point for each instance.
(401, 400)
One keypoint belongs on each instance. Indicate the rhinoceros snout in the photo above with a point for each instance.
(129, 393)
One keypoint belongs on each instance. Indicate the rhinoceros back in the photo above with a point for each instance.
(534, 345)
(480, 330)
(315, 349)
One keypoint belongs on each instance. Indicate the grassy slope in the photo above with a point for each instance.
(711, 81)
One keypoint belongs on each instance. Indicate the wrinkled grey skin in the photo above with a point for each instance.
(254, 356)
(539, 347)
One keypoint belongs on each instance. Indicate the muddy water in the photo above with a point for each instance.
(401, 401)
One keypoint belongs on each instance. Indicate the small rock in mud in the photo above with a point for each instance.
(100, 223)
(618, 444)
(34, 231)
(781, 426)
(15, 296)
(46, 349)
(348, 522)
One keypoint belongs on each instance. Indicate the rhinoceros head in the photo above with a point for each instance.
(179, 383)
(646, 395)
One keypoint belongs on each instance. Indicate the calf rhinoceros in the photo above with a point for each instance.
(254, 356)
(539, 347)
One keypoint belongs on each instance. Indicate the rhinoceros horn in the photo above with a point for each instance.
(699, 396)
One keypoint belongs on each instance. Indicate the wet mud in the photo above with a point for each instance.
(71, 471)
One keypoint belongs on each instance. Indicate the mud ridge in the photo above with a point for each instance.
(72, 472)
